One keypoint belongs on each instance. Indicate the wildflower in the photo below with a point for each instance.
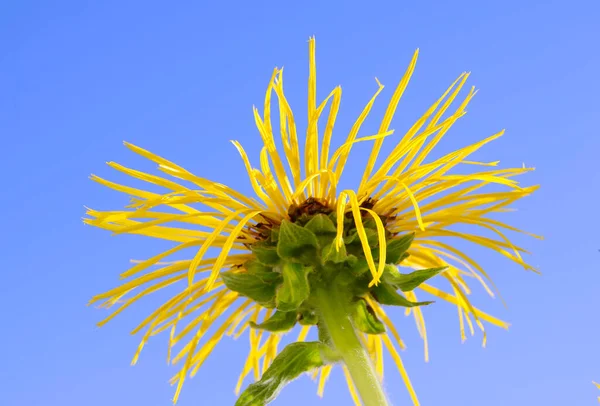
(303, 252)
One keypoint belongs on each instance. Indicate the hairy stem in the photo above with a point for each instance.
(334, 310)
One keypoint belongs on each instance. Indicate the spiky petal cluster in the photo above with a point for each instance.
(216, 224)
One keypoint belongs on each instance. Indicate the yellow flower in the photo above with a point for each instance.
(401, 192)
(597, 386)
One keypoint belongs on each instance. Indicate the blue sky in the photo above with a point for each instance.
(77, 78)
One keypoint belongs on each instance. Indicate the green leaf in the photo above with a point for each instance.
(295, 288)
(251, 286)
(397, 247)
(408, 282)
(321, 224)
(330, 253)
(387, 295)
(265, 254)
(308, 318)
(296, 243)
(294, 360)
(280, 321)
(364, 318)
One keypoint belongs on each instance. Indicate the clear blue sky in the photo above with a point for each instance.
(77, 78)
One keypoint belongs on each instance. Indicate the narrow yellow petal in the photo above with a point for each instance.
(401, 148)
(382, 242)
(325, 371)
(311, 149)
(389, 114)
(386, 320)
(351, 388)
(208, 243)
(354, 131)
(333, 111)
(227, 247)
(452, 299)
(420, 321)
(303, 333)
(207, 348)
(396, 357)
(360, 229)
(293, 151)
(323, 174)
(259, 192)
(267, 137)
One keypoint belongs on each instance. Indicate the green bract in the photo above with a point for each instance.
(294, 360)
(300, 257)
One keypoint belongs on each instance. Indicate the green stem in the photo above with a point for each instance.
(333, 306)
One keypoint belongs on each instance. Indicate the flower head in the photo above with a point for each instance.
(299, 232)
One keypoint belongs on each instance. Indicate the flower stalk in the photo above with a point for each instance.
(335, 318)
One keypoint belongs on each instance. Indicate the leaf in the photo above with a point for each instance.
(330, 253)
(408, 282)
(265, 254)
(294, 360)
(295, 288)
(387, 295)
(251, 286)
(397, 247)
(296, 243)
(364, 318)
(321, 224)
(280, 321)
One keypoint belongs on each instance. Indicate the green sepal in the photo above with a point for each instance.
(294, 360)
(275, 234)
(321, 224)
(360, 285)
(408, 282)
(387, 295)
(264, 272)
(251, 286)
(397, 247)
(402, 258)
(278, 322)
(348, 222)
(330, 253)
(295, 288)
(344, 277)
(296, 243)
(265, 254)
(372, 237)
(360, 266)
(308, 318)
(370, 223)
(365, 319)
